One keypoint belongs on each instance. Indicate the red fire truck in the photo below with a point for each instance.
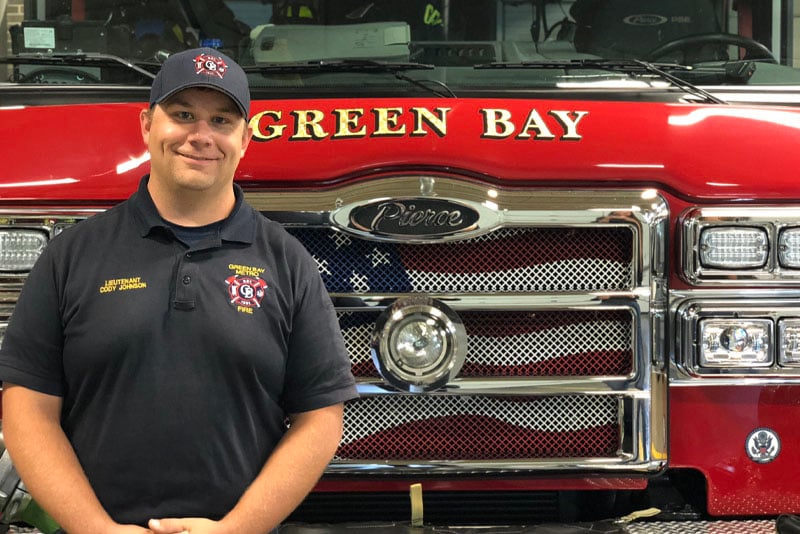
(562, 237)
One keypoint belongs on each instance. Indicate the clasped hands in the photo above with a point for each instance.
(190, 525)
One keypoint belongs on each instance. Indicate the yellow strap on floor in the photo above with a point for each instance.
(648, 512)
(415, 491)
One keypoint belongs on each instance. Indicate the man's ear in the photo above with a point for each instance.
(145, 121)
(247, 137)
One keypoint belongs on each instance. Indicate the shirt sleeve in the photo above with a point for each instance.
(32, 346)
(318, 372)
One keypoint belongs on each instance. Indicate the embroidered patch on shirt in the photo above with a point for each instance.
(116, 285)
(246, 289)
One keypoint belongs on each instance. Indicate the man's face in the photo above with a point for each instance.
(196, 139)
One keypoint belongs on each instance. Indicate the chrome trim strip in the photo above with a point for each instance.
(43, 218)
(742, 294)
(554, 206)
(757, 94)
(611, 300)
(733, 382)
(529, 387)
(453, 467)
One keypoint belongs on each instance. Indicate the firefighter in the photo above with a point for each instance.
(159, 348)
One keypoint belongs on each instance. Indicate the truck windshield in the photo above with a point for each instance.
(442, 46)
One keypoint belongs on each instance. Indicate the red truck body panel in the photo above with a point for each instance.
(94, 153)
(708, 430)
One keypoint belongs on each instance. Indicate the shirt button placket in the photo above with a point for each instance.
(185, 293)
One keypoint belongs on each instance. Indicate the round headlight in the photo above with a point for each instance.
(735, 339)
(419, 344)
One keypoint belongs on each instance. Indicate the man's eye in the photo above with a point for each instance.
(221, 120)
(183, 115)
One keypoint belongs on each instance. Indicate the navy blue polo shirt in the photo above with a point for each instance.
(177, 365)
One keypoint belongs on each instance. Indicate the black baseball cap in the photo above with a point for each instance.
(202, 67)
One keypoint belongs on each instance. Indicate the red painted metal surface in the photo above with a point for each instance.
(708, 430)
(95, 152)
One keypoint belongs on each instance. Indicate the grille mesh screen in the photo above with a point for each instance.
(440, 426)
(447, 427)
(521, 343)
(505, 261)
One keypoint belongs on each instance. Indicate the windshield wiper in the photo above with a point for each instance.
(626, 66)
(728, 72)
(77, 59)
(397, 69)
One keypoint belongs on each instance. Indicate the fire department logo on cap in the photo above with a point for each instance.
(202, 67)
(247, 291)
(210, 65)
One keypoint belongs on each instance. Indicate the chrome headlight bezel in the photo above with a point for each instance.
(789, 339)
(440, 326)
(780, 226)
(789, 247)
(47, 223)
(733, 247)
(777, 318)
(734, 343)
(20, 247)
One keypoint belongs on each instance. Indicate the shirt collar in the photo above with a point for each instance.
(239, 226)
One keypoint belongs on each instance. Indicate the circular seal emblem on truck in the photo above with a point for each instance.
(763, 445)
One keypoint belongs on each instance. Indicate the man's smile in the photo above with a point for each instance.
(197, 157)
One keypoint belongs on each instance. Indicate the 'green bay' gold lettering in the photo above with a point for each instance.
(349, 123)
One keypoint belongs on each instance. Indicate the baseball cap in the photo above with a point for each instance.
(202, 67)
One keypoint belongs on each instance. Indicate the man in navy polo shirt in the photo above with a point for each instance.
(158, 349)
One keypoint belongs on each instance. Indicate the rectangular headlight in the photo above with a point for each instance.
(789, 332)
(734, 247)
(20, 248)
(789, 248)
(735, 343)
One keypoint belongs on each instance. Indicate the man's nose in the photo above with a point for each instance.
(201, 131)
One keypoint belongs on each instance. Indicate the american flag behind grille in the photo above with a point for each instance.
(477, 427)
(509, 343)
(509, 260)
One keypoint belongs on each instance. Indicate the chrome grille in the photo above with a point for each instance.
(509, 260)
(475, 427)
(522, 343)
(558, 300)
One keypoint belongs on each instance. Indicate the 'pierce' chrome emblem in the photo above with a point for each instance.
(415, 219)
